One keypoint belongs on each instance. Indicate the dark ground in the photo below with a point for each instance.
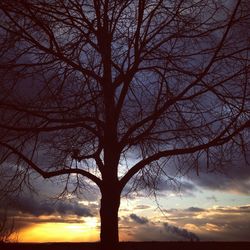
(130, 246)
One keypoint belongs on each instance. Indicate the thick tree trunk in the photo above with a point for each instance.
(110, 189)
(110, 203)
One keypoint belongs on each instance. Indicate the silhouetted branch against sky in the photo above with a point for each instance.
(7, 227)
(87, 84)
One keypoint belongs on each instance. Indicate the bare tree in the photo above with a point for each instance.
(87, 84)
(7, 227)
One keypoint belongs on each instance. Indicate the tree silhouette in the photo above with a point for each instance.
(7, 227)
(87, 84)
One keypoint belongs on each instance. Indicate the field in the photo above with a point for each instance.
(130, 246)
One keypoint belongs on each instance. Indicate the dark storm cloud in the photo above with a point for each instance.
(233, 176)
(138, 219)
(237, 182)
(177, 186)
(181, 232)
(75, 208)
(164, 187)
(230, 176)
(31, 206)
(26, 220)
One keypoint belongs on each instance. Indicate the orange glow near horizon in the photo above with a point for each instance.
(60, 232)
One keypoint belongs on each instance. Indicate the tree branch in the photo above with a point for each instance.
(50, 174)
(180, 151)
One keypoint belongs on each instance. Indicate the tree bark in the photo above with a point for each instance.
(110, 203)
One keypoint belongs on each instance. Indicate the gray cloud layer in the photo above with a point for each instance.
(230, 176)
(138, 219)
(31, 206)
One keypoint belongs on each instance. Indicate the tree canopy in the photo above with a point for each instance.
(88, 85)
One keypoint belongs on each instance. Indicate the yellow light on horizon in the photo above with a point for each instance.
(60, 232)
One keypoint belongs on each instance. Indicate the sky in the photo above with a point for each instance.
(208, 207)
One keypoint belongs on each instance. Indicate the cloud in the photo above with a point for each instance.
(220, 182)
(181, 232)
(138, 219)
(246, 207)
(194, 209)
(164, 187)
(145, 229)
(31, 206)
(131, 230)
(176, 185)
(142, 207)
(26, 211)
(219, 223)
(233, 177)
(212, 198)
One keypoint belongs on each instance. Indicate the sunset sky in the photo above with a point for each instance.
(151, 94)
(211, 206)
